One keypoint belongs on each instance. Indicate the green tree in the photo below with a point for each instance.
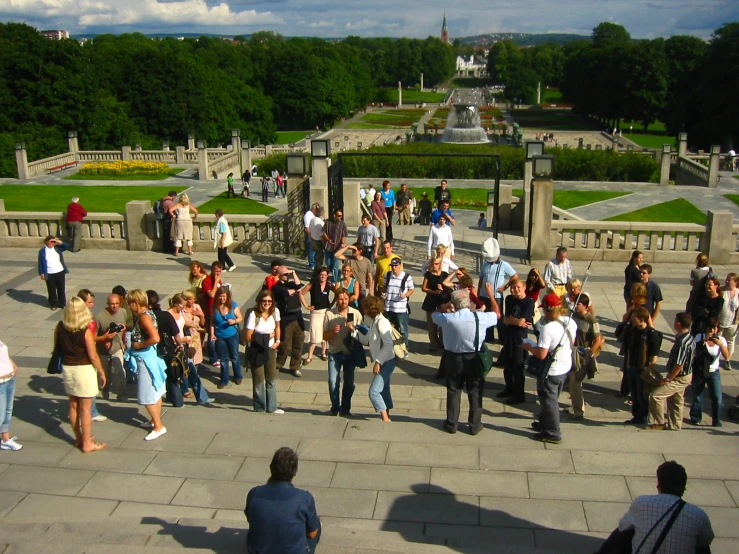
(606, 34)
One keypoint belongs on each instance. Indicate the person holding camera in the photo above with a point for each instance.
(340, 322)
(710, 346)
(113, 320)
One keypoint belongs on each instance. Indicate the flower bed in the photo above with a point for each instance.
(122, 169)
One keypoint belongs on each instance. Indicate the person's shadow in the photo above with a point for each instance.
(465, 527)
(28, 297)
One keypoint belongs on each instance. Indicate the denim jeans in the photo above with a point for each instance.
(337, 362)
(228, 349)
(7, 394)
(193, 380)
(94, 410)
(379, 391)
(329, 259)
(639, 404)
(265, 384)
(400, 322)
(548, 391)
(311, 253)
(713, 382)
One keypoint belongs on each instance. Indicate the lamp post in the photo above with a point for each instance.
(664, 168)
(297, 165)
(682, 144)
(532, 148)
(320, 148)
(540, 207)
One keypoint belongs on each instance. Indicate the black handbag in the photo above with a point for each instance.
(540, 368)
(483, 356)
(55, 362)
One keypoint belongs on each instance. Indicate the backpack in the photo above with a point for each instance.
(158, 209)
(403, 281)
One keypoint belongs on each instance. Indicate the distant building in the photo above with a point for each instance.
(470, 67)
(444, 31)
(55, 34)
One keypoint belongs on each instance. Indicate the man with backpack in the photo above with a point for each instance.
(161, 209)
(397, 289)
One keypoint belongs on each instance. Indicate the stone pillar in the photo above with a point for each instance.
(505, 206)
(319, 182)
(137, 219)
(528, 172)
(400, 95)
(352, 211)
(720, 244)
(267, 149)
(180, 155)
(190, 142)
(682, 145)
(580, 143)
(126, 153)
(21, 162)
(421, 82)
(541, 230)
(664, 168)
(3, 224)
(236, 142)
(73, 143)
(203, 171)
(713, 164)
(538, 93)
(245, 160)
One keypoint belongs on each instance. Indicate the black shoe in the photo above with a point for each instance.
(451, 429)
(634, 421)
(514, 401)
(503, 394)
(547, 438)
(475, 430)
(333, 413)
(346, 414)
(536, 426)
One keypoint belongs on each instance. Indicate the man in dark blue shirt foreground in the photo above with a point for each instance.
(282, 519)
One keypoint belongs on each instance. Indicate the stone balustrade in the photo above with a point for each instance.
(225, 163)
(39, 167)
(166, 156)
(100, 156)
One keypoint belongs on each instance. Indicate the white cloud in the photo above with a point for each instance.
(322, 24)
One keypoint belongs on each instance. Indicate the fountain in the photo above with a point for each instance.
(463, 126)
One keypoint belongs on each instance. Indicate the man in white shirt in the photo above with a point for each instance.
(370, 195)
(558, 272)
(558, 334)
(397, 289)
(315, 230)
(307, 218)
(441, 233)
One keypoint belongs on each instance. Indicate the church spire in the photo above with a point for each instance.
(444, 31)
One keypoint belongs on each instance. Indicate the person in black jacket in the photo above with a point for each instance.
(292, 325)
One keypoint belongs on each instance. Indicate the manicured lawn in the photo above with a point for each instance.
(365, 126)
(391, 118)
(161, 177)
(553, 120)
(29, 198)
(549, 96)
(416, 96)
(674, 211)
(651, 141)
(476, 198)
(733, 197)
(286, 137)
(656, 127)
(241, 206)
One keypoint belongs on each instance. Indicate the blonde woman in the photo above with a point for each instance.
(182, 227)
(198, 273)
(727, 319)
(223, 240)
(81, 370)
(351, 285)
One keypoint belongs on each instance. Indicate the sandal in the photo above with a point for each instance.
(97, 446)
(306, 361)
(187, 395)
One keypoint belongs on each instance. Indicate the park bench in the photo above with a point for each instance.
(61, 167)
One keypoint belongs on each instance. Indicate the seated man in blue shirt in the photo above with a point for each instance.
(282, 519)
(443, 209)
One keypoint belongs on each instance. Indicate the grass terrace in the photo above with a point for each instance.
(651, 141)
(388, 118)
(674, 211)
(415, 96)
(552, 96)
(553, 120)
(238, 206)
(286, 137)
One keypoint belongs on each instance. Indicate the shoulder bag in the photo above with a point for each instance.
(55, 362)
(483, 356)
(540, 368)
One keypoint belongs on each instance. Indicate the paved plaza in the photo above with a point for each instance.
(406, 486)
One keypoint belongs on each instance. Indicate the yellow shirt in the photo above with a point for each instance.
(382, 265)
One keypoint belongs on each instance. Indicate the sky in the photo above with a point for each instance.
(369, 18)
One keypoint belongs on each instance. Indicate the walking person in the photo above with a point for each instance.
(388, 200)
(557, 335)
(230, 193)
(379, 338)
(165, 204)
(464, 331)
(224, 329)
(53, 271)
(379, 215)
(558, 273)
(223, 239)
(441, 235)
(246, 182)
(75, 214)
(729, 316)
(397, 288)
(315, 230)
(424, 209)
(495, 277)
(113, 319)
(319, 289)
(263, 336)
(8, 371)
(339, 324)
(334, 239)
(265, 189)
(194, 319)
(433, 287)
(307, 218)
(632, 274)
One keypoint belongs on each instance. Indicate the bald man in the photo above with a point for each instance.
(112, 321)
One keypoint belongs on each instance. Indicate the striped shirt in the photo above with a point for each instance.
(682, 353)
(556, 274)
(393, 302)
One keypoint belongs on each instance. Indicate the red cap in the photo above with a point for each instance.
(551, 300)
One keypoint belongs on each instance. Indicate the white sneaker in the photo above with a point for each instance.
(278, 411)
(155, 434)
(10, 444)
(231, 268)
(99, 418)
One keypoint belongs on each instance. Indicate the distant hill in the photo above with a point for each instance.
(522, 39)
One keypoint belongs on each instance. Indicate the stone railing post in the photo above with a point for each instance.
(528, 172)
(682, 145)
(267, 150)
(713, 164)
(319, 183)
(245, 160)
(203, 172)
(126, 153)
(21, 162)
(664, 168)
(3, 224)
(137, 237)
(505, 208)
(180, 155)
(73, 143)
(352, 211)
(541, 229)
(191, 142)
(718, 241)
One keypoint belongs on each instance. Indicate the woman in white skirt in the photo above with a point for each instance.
(81, 370)
(318, 287)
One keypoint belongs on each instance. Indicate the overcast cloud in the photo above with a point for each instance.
(339, 18)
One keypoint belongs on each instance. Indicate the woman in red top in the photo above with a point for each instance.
(534, 284)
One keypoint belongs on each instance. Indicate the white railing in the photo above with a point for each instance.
(672, 241)
(191, 157)
(100, 156)
(166, 156)
(99, 230)
(39, 166)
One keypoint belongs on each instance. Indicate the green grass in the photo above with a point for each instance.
(733, 197)
(416, 96)
(392, 118)
(367, 126)
(135, 177)
(674, 211)
(477, 198)
(551, 97)
(656, 127)
(231, 206)
(651, 141)
(56, 198)
(553, 120)
(286, 137)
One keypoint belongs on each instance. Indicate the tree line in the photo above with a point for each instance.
(683, 81)
(127, 89)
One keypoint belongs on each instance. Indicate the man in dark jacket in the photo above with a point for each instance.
(292, 326)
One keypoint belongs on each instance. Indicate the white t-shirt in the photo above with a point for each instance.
(53, 261)
(265, 326)
(714, 351)
(307, 218)
(316, 228)
(553, 334)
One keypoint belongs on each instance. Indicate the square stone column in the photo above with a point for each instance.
(528, 172)
(73, 144)
(713, 164)
(664, 168)
(21, 163)
(180, 155)
(126, 153)
(682, 145)
(203, 171)
(352, 211)
(137, 235)
(541, 230)
(719, 237)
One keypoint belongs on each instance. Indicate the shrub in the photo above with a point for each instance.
(273, 161)
(119, 169)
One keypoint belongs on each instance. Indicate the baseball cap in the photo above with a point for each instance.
(551, 300)
(395, 262)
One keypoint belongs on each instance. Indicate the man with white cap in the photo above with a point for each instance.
(495, 277)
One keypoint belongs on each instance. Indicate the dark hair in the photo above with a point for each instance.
(119, 290)
(634, 255)
(684, 319)
(48, 238)
(321, 269)
(646, 267)
(715, 282)
(276, 263)
(172, 193)
(84, 294)
(152, 299)
(284, 465)
(216, 265)
(711, 323)
(562, 250)
(584, 300)
(387, 242)
(672, 478)
(641, 313)
(219, 212)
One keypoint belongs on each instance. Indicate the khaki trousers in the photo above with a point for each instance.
(674, 394)
(404, 215)
(559, 290)
(576, 378)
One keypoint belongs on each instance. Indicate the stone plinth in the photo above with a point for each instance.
(136, 221)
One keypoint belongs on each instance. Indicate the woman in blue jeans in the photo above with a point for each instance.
(379, 338)
(716, 347)
(224, 327)
(8, 369)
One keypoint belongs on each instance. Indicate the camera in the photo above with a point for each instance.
(350, 318)
(116, 327)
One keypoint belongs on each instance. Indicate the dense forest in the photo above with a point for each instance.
(685, 82)
(120, 90)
